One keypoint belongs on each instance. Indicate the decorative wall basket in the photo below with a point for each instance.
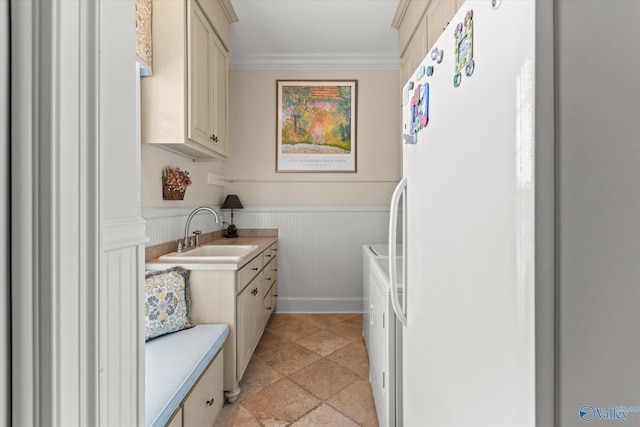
(174, 183)
(169, 194)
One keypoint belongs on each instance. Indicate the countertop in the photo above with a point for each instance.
(261, 241)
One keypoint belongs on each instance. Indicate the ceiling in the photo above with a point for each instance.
(314, 34)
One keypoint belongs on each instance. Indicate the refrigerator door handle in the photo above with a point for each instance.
(393, 226)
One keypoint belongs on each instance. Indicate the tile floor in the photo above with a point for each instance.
(308, 370)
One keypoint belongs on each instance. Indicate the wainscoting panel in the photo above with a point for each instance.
(167, 224)
(319, 249)
(121, 324)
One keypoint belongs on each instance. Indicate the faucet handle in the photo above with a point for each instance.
(179, 242)
(197, 234)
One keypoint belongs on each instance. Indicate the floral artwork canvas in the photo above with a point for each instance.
(316, 126)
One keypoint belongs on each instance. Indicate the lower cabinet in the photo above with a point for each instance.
(249, 322)
(238, 299)
(204, 403)
(269, 289)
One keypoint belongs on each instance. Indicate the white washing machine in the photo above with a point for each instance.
(385, 356)
(370, 252)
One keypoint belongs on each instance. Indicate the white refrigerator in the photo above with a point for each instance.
(517, 279)
(469, 344)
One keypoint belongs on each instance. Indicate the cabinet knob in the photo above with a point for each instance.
(255, 268)
(210, 402)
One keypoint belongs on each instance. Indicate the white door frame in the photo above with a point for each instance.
(55, 214)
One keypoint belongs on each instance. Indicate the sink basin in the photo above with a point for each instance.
(214, 253)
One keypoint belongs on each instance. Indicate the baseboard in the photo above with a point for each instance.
(319, 305)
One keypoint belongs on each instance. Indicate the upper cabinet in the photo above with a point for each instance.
(439, 13)
(419, 24)
(185, 102)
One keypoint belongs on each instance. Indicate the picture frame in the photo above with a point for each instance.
(316, 122)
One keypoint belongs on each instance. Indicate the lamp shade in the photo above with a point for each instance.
(232, 202)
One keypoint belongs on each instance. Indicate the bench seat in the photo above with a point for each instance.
(173, 364)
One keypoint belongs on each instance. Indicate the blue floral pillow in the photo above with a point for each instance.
(167, 302)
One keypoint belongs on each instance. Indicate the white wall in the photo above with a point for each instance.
(5, 330)
(155, 159)
(120, 294)
(252, 162)
(599, 208)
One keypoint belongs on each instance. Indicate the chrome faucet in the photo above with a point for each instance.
(186, 245)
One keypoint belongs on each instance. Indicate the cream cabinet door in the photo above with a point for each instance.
(415, 52)
(201, 78)
(439, 13)
(202, 406)
(249, 323)
(221, 98)
(244, 332)
(208, 64)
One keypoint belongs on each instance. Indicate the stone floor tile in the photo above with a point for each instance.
(289, 357)
(257, 376)
(279, 319)
(324, 415)
(323, 342)
(324, 320)
(269, 342)
(353, 357)
(280, 403)
(324, 378)
(320, 380)
(295, 329)
(347, 330)
(234, 415)
(356, 402)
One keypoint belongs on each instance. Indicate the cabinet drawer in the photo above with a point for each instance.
(248, 272)
(202, 406)
(268, 278)
(268, 254)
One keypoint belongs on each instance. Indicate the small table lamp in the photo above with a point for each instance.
(232, 202)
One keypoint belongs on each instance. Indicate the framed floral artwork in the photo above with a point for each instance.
(316, 125)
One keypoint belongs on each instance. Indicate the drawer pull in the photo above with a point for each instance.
(255, 268)
(267, 278)
(268, 255)
(275, 249)
(255, 291)
(268, 308)
(210, 402)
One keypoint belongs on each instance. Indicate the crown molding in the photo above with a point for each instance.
(400, 12)
(229, 11)
(315, 60)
